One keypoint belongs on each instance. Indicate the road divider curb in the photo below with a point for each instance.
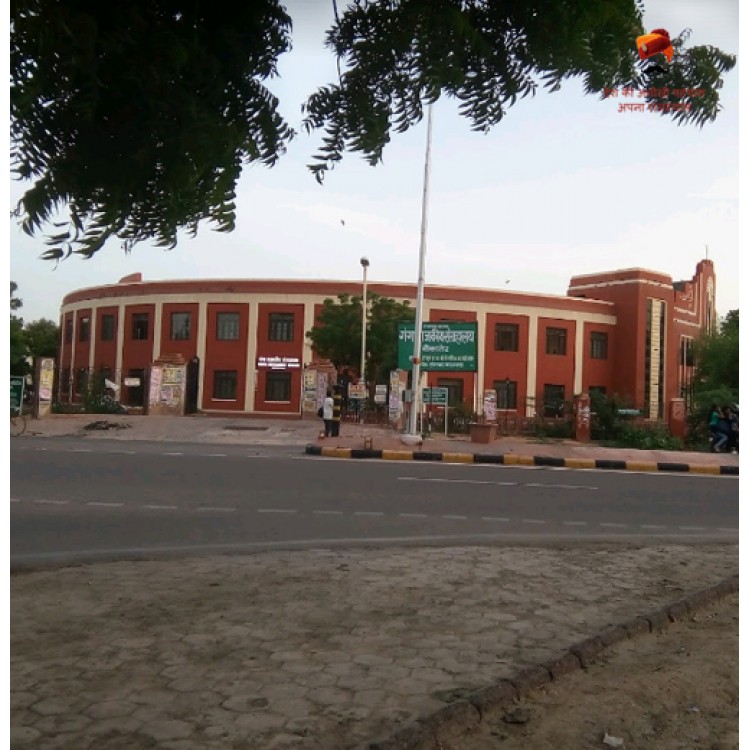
(469, 709)
(513, 459)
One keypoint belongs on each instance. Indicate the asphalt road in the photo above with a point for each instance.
(77, 500)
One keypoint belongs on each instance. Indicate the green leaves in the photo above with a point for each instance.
(134, 119)
(400, 54)
(337, 335)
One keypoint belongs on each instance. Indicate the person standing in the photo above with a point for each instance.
(714, 429)
(328, 414)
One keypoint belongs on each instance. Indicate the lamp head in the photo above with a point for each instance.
(364, 262)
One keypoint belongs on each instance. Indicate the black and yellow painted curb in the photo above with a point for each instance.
(513, 459)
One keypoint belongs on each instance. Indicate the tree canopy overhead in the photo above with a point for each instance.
(136, 119)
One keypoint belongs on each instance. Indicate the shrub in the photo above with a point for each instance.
(655, 438)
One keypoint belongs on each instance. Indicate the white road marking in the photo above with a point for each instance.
(80, 450)
(123, 453)
(692, 528)
(652, 526)
(456, 518)
(51, 502)
(368, 513)
(328, 512)
(614, 525)
(560, 486)
(214, 508)
(531, 520)
(455, 481)
(106, 505)
(172, 454)
(276, 510)
(413, 515)
(495, 518)
(14, 500)
(728, 531)
(212, 455)
(575, 523)
(160, 507)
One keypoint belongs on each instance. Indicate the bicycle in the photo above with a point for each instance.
(17, 422)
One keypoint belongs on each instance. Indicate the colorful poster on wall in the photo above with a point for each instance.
(154, 391)
(490, 406)
(394, 399)
(173, 375)
(310, 391)
(46, 379)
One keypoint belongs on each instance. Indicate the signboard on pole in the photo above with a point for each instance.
(16, 393)
(435, 396)
(358, 390)
(381, 393)
(446, 347)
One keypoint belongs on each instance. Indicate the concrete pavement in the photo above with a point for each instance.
(361, 438)
(319, 649)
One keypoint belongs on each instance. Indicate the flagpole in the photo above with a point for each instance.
(416, 358)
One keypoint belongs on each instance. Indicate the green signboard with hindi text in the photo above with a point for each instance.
(446, 347)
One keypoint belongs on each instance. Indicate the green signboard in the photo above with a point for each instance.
(16, 393)
(448, 347)
(435, 396)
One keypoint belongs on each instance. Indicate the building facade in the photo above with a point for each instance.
(628, 333)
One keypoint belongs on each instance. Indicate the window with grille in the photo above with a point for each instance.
(227, 326)
(84, 327)
(687, 355)
(506, 391)
(180, 326)
(281, 327)
(69, 331)
(278, 386)
(225, 385)
(554, 400)
(506, 337)
(140, 326)
(556, 340)
(108, 328)
(598, 345)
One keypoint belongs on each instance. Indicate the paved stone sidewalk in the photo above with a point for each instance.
(299, 433)
(312, 650)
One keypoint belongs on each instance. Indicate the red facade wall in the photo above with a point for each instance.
(599, 372)
(555, 369)
(188, 348)
(225, 355)
(504, 365)
(105, 352)
(137, 353)
(267, 349)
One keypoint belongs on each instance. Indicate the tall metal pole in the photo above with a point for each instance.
(365, 263)
(416, 358)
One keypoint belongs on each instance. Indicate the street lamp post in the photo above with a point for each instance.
(365, 263)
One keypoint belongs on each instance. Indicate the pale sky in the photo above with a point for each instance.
(565, 185)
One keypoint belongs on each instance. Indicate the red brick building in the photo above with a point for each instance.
(626, 332)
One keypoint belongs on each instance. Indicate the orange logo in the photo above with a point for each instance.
(654, 43)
